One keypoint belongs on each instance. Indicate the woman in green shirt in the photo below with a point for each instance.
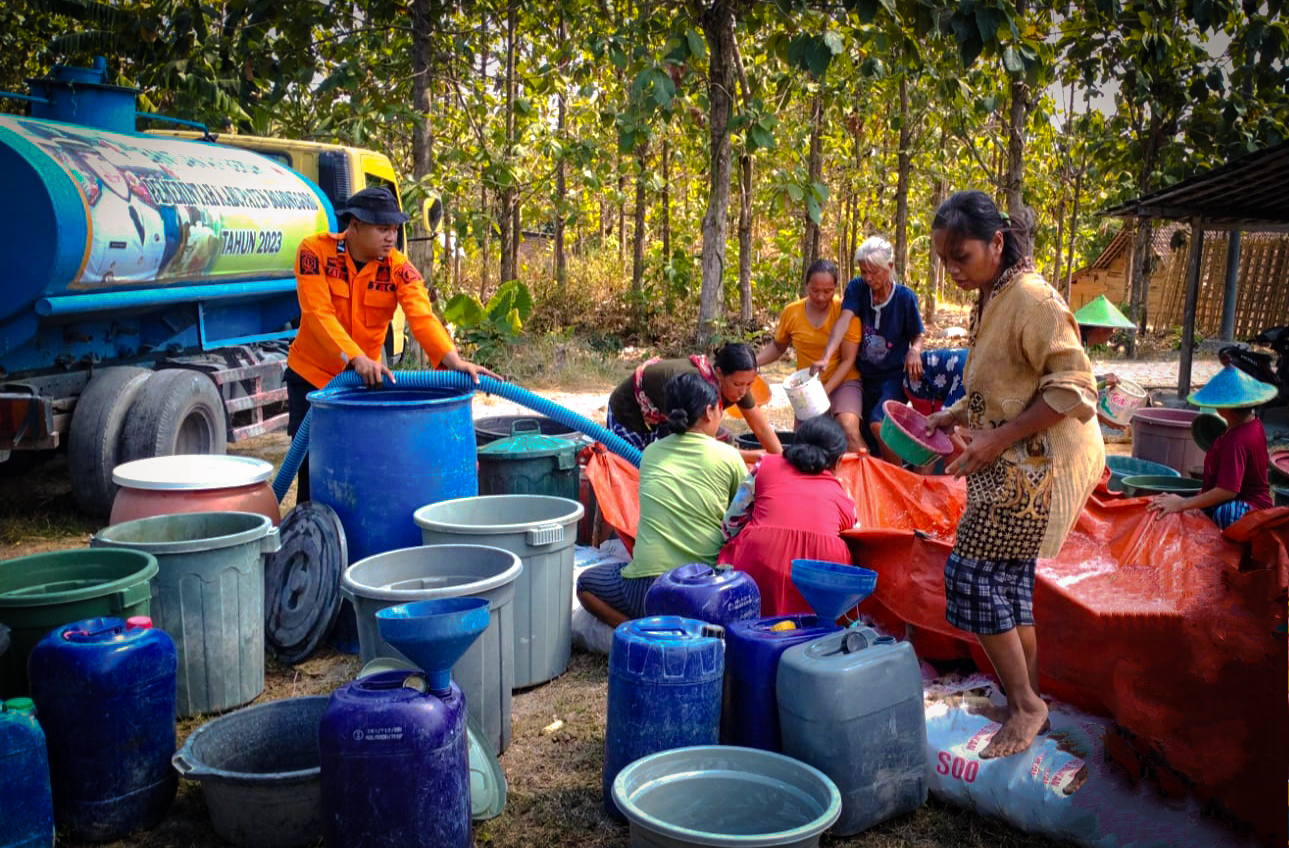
(687, 480)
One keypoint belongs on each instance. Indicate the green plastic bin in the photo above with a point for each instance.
(209, 597)
(540, 531)
(44, 591)
(528, 462)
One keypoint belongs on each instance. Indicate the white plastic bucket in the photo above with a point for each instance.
(1117, 403)
(806, 394)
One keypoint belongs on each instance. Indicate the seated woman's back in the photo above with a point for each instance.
(786, 497)
(686, 482)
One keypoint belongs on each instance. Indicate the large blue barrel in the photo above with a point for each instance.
(665, 675)
(715, 595)
(26, 804)
(377, 456)
(850, 704)
(395, 765)
(750, 716)
(105, 692)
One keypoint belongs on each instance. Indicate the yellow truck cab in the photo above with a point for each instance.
(339, 171)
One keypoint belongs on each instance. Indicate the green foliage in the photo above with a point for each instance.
(489, 329)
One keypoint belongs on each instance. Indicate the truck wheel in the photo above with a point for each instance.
(178, 411)
(93, 445)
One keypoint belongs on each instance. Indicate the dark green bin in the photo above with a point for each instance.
(44, 591)
(529, 462)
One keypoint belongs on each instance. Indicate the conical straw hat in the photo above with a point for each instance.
(1231, 388)
(1102, 313)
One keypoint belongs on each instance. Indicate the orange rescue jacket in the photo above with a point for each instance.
(345, 312)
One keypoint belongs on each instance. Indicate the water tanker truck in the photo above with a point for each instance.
(148, 296)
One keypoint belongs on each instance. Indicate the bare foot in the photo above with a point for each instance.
(1016, 734)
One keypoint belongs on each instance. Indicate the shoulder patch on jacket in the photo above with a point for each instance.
(309, 263)
(407, 273)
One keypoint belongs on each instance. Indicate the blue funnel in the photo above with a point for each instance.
(434, 634)
(831, 587)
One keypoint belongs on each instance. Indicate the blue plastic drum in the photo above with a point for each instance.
(665, 676)
(104, 690)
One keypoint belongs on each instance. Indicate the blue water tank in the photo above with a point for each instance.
(105, 692)
(750, 716)
(850, 704)
(395, 764)
(26, 804)
(715, 595)
(377, 456)
(665, 676)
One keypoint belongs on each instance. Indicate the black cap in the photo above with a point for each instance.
(373, 206)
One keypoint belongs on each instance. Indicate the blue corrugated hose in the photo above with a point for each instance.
(457, 380)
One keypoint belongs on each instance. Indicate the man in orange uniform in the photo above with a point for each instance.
(349, 285)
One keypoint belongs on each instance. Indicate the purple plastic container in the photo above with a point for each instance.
(105, 695)
(750, 717)
(712, 595)
(395, 767)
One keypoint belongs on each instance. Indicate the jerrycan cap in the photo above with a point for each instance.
(26, 706)
(138, 622)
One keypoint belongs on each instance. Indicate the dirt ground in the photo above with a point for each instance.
(553, 775)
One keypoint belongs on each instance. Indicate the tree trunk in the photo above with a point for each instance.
(936, 270)
(622, 217)
(745, 238)
(561, 187)
(666, 200)
(718, 27)
(423, 15)
(814, 171)
(510, 194)
(1140, 288)
(1022, 217)
(904, 158)
(485, 214)
(638, 238)
(1074, 232)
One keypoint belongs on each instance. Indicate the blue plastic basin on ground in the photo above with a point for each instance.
(1128, 466)
(718, 795)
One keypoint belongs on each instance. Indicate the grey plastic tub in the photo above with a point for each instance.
(209, 597)
(486, 671)
(722, 795)
(541, 531)
(260, 772)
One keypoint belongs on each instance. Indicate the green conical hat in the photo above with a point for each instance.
(1102, 313)
(1231, 388)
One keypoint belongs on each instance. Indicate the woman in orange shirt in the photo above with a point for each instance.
(805, 325)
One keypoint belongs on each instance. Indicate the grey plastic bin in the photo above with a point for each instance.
(209, 597)
(486, 672)
(541, 531)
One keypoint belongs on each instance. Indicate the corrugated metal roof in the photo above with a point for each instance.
(1251, 192)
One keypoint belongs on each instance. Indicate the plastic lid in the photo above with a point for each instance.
(302, 581)
(20, 705)
(487, 781)
(527, 444)
(192, 472)
(138, 622)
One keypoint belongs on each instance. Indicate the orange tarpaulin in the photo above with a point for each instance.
(1151, 621)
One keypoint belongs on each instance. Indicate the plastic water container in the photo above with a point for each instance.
(26, 804)
(105, 690)
(209, 595)
(541, 531)
(43, 591)
(1164, 435)
(486, 671)
(665, 676)
(395, 770)
(375, 457)
(750, 715)
(715, 595)
(850, 704)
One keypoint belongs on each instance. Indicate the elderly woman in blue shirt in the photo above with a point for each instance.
(890, 346)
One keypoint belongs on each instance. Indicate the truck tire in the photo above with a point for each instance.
(94, 443)
(178, 411)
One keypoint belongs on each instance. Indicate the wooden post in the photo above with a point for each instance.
(1193, 269)
(1231, 292)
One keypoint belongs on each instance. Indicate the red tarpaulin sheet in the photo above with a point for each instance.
(1165, 624)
